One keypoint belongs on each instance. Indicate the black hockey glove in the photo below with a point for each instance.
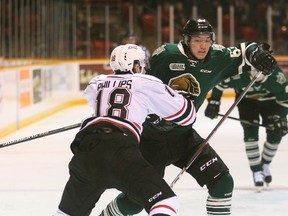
(159, 123)
(212, 108)
(261, 58)
(278, 124)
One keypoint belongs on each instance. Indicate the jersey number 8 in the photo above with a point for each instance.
(118, 102)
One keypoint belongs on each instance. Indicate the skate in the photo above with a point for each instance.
(258, 180)
(266, 173)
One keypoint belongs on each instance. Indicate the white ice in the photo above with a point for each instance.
(33, 173)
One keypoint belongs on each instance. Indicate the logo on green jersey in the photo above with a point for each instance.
(177, 66)
(159, 50)
(280, 78)
(205, 71)
(185, 82)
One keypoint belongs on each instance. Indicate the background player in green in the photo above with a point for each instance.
(195, 65)
(268, 99)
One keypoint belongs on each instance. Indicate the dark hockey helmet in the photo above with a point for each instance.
(200, 26)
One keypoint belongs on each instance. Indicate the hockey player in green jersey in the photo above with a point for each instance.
(195, 65)
(268, 99)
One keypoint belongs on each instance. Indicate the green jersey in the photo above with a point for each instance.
(271, 88)
(170, 61)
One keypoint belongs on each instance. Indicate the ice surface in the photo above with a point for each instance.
(33, 174)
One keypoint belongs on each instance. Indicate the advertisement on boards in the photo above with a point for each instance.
(88, 71)
(37, 86)
(25, 94)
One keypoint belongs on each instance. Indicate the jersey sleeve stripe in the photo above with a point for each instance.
(191, 119)
(169, 118)
(186, 116)
(282, 103)
(139, 127)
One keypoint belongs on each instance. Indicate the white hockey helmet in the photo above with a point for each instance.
(130, 55)
(114, 64)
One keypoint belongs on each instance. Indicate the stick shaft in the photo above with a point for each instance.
(204, 143)
(246, 122)
(39, 135)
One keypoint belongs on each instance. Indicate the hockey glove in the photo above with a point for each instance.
(159, 123)
(261, 58)
(278, 124)
(212, 108)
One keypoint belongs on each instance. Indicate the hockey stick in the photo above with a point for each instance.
(35, 136)
(204, 143)
(246, 122)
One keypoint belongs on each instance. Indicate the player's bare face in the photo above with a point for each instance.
(199, 45)
(137, 68)
(253, 73)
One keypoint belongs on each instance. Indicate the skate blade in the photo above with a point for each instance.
(259, 189)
